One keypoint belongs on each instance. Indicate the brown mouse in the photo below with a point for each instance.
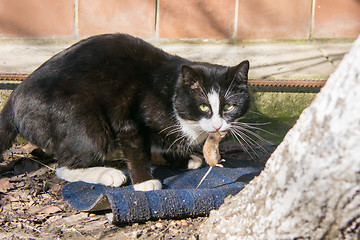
(211, 148)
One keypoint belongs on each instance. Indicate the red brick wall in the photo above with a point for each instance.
(178, 19)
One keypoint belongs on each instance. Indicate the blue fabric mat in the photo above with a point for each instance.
(177, 199)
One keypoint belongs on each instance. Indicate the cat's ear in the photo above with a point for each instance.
(190, 77)
(240, 71)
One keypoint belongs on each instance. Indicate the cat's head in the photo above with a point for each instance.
(210, 97)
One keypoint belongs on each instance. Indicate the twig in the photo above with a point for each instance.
(3, 229)
(74, 230)
(53, 169)
(207, 173)
(23, 155)
(32, 228)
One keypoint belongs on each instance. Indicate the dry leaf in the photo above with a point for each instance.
(43, 212)
(5, 185)
(28, 148)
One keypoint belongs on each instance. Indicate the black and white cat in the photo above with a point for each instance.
(114, 91)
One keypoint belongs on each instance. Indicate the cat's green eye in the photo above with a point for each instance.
(204, 107)
(229, 107)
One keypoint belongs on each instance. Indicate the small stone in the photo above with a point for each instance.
(20, 226)
(159, 225)
(184, 223)
(139, 234)
(174, 231)
(134, 234)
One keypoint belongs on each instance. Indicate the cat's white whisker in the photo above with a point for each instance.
(193, 140)
(229, 89)
(251, 124)
(247, 130)
(244, 128)
(181, 138)
(249, 141)
(169, 127)
(174, 131)
(200, 89)
(203, 92)
(244, 141)
(256, 113)
(233, 95)
(239, 141)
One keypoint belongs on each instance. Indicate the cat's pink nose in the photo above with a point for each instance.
(217, 127)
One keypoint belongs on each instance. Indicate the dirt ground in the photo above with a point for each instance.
(31, 207)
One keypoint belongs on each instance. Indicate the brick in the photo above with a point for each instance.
(135, 17)
(196, 18)
(268, 19)
(337, 19)
(36, 18)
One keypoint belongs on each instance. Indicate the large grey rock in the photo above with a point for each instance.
(310, 187)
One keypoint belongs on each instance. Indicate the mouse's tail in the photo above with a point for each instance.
(8, 131)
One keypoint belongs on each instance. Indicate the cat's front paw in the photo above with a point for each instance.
(100, 175)
(195, 162)
(148, 185)
(112, 178)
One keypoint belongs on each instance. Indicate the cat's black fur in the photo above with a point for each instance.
(115, 91)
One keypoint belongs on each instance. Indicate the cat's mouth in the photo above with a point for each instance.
(220, 131)
(208, 125)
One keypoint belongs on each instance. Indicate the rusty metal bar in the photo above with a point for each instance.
(252, 82)
(286, 83)
(13, 76)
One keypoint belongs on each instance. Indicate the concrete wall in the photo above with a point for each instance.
(178, 19)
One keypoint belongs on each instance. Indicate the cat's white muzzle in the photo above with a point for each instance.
(214, 124)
